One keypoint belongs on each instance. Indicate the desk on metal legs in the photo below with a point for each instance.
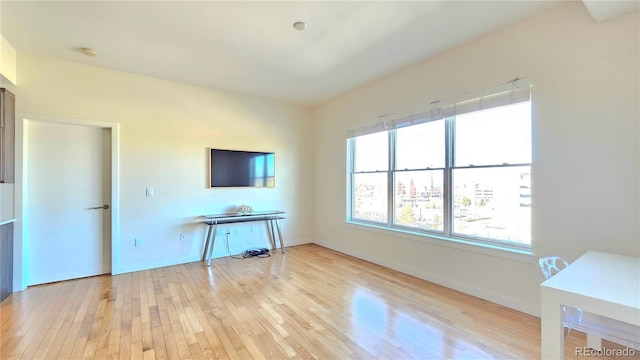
(269, 217)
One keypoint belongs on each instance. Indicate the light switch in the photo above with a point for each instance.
(149, 191)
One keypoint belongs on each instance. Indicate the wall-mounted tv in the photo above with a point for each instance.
(233, 168)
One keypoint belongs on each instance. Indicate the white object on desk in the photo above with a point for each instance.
(269, 217)
(599, 283)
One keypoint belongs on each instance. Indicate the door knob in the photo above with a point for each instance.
(104, 207)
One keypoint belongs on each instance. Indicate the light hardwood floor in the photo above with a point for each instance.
(310, 303)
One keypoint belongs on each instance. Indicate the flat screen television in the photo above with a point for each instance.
(233, 168)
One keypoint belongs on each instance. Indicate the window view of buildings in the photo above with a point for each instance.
(419, 199)
(491, 204)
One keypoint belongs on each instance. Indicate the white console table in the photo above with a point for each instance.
(269, 217)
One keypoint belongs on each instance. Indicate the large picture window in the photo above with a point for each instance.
(461, 171)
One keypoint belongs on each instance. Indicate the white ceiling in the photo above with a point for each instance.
(251, 47)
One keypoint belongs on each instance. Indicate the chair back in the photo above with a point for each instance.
(551, 265)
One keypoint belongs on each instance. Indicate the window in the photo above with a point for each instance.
(369, 177)
(460, 171)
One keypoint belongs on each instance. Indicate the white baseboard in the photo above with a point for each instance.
(155, 265)
(297, 242)
(515, 304)
(171, 262)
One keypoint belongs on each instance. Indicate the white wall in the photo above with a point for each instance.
(585, 148)
(7, 61)
(586, 154)
(165, 130)
(7, 80)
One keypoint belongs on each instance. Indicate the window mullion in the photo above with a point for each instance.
(390, 178)
(449, 130)
(351, 151)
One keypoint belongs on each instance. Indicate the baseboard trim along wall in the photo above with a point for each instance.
(179, 261)
(522, 306)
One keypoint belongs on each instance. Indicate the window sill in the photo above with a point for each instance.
(465, 245)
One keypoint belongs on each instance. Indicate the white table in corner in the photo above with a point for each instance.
(599, 283)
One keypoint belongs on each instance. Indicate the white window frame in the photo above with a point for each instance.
(391, 127)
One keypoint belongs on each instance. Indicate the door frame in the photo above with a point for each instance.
(21, 232)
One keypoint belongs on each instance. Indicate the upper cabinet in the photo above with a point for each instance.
(7, 136)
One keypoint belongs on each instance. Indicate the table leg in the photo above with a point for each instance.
(552, 332)
(594, 340)
(271, 234)
(211, 244)
(280, 236)
(205, 251)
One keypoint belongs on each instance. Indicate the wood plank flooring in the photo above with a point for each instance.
(312, 303)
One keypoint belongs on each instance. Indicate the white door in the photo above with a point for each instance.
(68, 177)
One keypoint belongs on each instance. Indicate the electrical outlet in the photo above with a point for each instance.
(183, 236)
(137, 242)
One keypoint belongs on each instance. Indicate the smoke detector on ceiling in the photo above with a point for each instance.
(88, 52)
(299, 25)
